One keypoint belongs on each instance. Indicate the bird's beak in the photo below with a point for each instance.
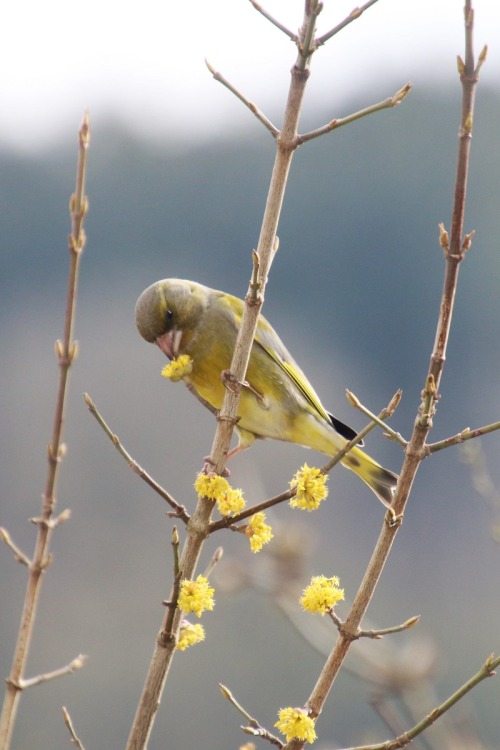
(169, 343)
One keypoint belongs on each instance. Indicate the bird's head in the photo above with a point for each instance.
(167, 310)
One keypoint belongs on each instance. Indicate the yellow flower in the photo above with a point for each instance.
(322, 594)
(196, 596)
(311, 490)
(258, 532)
(178, 368)
(294, 723)
(190, 634)
(231, 503)
(212, 486)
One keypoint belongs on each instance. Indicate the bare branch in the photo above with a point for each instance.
(376, 421)
(415, 450)
(66, 351)
(179, 510)
(18, 554)
(353, 16)
(391, 101)
(216, 557)
(52, 523)
(167, 636)
(251, 106)
(392, 406)
(374, 634)
(253, 728)
(462, 437)
(77, 663)
(273, 20)
(487, 670)
(74, 739)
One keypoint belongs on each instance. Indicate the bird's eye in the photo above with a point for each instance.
(170, 315)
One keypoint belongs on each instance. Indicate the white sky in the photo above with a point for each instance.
(143, 61)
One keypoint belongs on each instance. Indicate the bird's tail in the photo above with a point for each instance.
(381, 481)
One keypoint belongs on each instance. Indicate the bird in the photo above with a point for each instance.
(277, 400)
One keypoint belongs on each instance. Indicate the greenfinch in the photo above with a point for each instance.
(277, 400)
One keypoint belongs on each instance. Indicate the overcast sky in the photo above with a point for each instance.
(144, 62)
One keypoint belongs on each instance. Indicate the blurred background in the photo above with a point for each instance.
(178, 174)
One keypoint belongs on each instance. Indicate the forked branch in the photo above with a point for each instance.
(66, 351)
(415, 448)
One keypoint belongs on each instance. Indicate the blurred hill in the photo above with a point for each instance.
(354, 292)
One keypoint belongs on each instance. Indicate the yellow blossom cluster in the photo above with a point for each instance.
(322, 594)
(229, 501)
(196, 596)
(189, 635)
(294, 723)
(310, 488)
(258, 531)
(178, 368)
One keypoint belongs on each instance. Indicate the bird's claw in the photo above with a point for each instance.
(208, 467)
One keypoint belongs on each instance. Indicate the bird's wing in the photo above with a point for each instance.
(270, 342)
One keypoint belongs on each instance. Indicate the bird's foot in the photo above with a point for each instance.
(208, 467)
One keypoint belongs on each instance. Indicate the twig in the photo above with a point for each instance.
(374, 634)
(53, 523)
(179, 510)
(276, 23)
(66, 351)
(74, 738)
(228, 522)
(77, 663)
(251, 106)
(487, 670)
(390, 102)
(354, 401)
(253, 728)
(167, 637)
(18, 554)
(386, 412)
(353, 16)
(473, 456)
(462, 437)
(216, 557)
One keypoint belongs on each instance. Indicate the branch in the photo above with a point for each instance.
(251, 106)
(167, 636)
(66, 351)
(423, 422)
(179, 510)
(390, 102)
(373, 634)
(228, 522)
(253, 728)
(276, 23)
(74, 739)
(386, 412)
(487, 670)
(388, 432)
(197, 526)
(462, 437)
(353, 16)
(77, 663)
(216, 558)
(18, 554)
